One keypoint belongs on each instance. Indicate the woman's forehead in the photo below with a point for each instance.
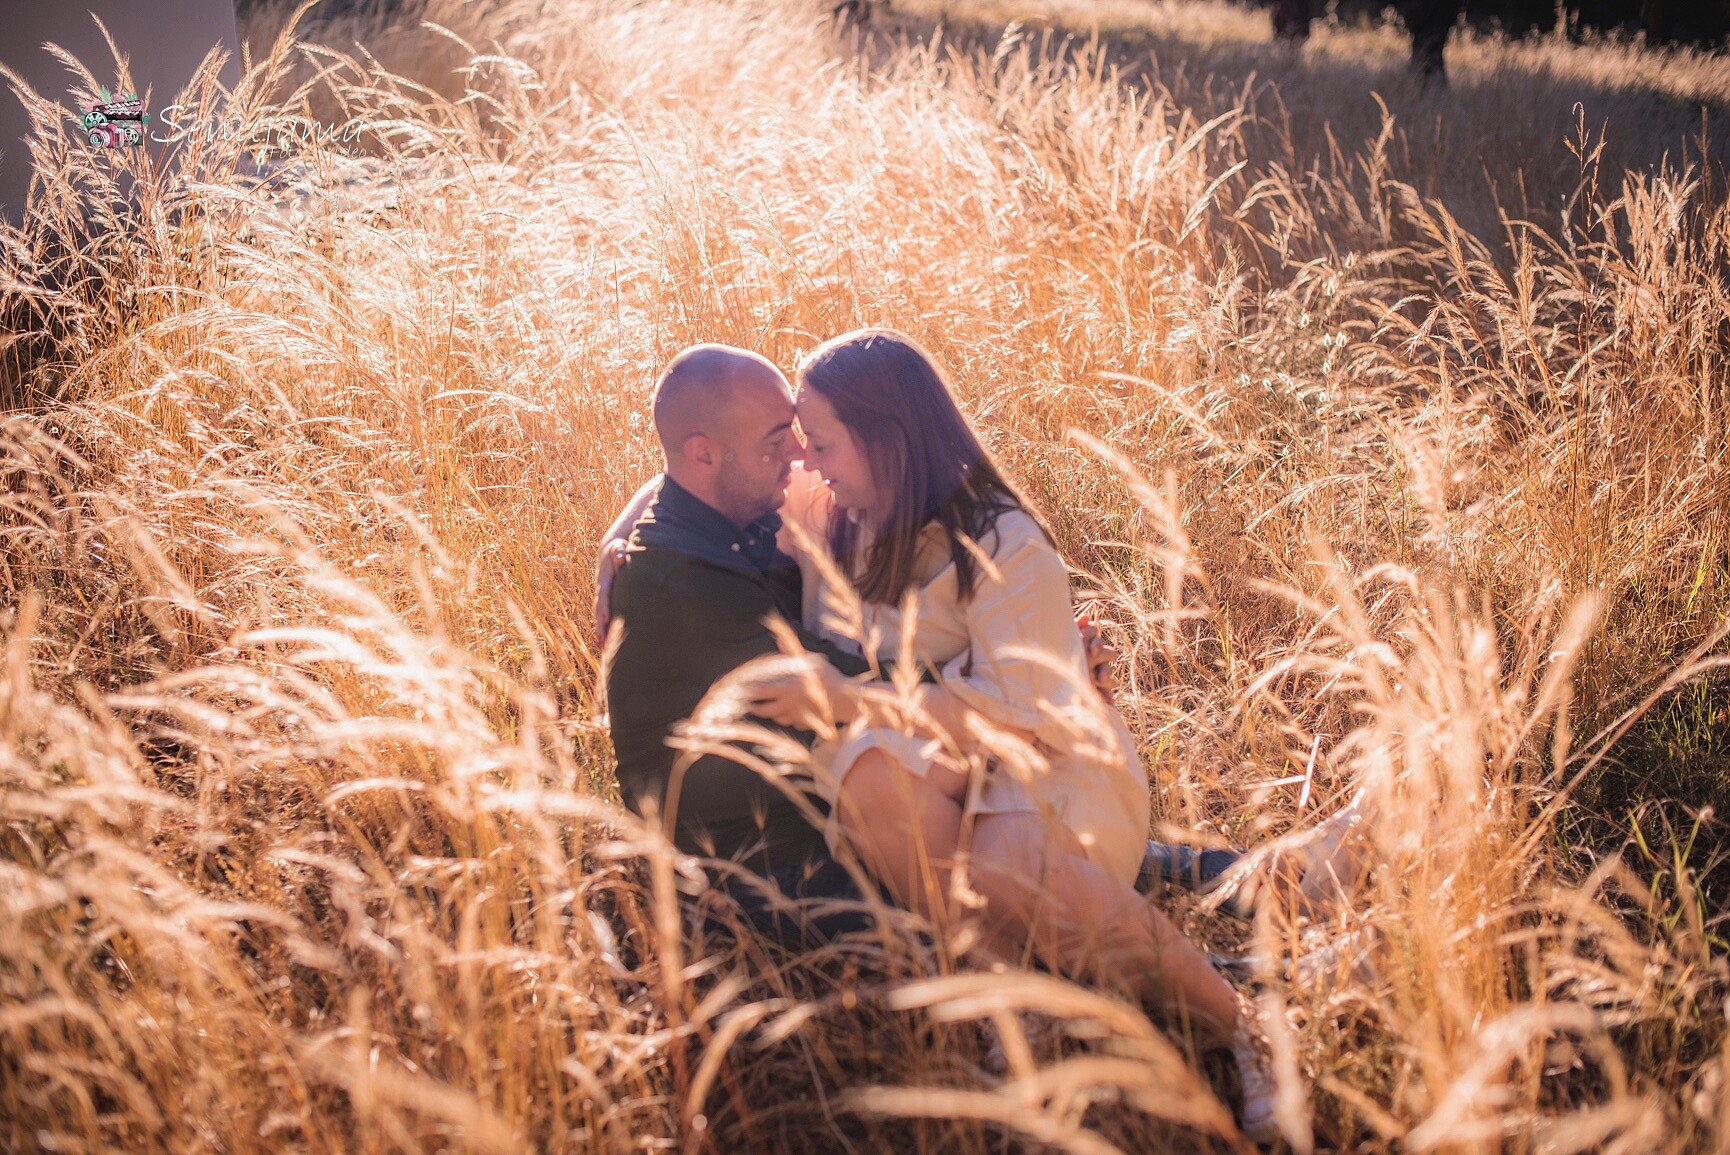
(811, 407)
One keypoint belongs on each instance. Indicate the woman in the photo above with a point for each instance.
(1007, 753)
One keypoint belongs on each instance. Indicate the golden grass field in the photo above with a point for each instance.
(1386, 423)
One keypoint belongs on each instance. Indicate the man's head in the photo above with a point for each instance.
(725, 420)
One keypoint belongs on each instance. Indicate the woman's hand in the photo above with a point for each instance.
(611, 554)
(1101, 656)
(607, 563)
(805, 701)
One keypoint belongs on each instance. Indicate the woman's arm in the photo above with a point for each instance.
(621, 527)
(1026, 667)
(1025, 663)
(795, 701)
(612, 552)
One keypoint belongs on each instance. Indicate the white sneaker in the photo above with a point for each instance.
(1322, 864)
(1256, 1118)
(1345, 957)
(1327, 866)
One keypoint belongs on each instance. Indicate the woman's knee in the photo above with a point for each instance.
(879, 797)
(872, 788)
(1015, 846)
(1007, 857)
(1023, 860)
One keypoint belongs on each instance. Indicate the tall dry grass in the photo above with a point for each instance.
(307, 834)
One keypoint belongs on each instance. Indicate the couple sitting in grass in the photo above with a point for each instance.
(929, 662)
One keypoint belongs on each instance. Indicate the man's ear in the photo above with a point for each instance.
(701, 450)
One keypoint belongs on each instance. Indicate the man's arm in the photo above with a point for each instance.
(844, 660)
(687, 623)
(730, 611)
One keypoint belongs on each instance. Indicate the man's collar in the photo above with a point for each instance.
(680, 520)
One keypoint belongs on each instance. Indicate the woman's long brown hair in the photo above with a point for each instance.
(897, 403)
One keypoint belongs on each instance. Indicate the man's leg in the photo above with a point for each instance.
(1185, 866)
(1323, 868)
(804, 905)
(1197, 871)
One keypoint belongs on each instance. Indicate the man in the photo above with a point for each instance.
(699, 576)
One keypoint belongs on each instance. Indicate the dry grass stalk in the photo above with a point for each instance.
(304, 806)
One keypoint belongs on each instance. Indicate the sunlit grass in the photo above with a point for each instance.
(307, 837)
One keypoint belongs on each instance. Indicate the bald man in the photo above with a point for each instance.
(701, 573)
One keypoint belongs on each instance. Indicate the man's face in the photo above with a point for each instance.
(758, 450)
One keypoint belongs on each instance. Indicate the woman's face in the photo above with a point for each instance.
(833, 451)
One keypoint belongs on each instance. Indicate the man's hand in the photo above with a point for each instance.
(607, 564)
(1101, 656)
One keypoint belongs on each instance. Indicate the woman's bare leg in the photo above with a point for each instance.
(1086, 922)
(1039, 886)
(905, 828)
(1036, 881)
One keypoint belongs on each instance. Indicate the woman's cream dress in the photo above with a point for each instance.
(1012, 653)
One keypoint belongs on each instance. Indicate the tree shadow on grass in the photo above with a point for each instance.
(1504, 136)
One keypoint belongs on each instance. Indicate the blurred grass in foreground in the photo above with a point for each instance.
(307, 841)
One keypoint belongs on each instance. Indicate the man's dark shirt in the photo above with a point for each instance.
(692, 594)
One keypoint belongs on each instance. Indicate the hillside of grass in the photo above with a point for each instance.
(1384, 423)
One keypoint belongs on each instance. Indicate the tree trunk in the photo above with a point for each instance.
(1430, 22)
(1655, 19)
(1291, 20)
